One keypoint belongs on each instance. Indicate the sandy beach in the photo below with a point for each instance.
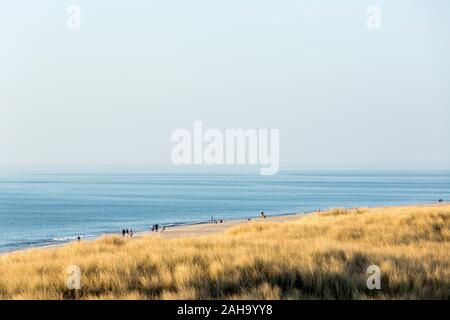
(205, 229)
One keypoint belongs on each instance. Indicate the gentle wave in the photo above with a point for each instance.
(63, 239)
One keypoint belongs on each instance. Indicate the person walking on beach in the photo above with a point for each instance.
(123, 232)
(131, 233)
(156, 227)
(163, 228)
(79, 238)
(263, 215)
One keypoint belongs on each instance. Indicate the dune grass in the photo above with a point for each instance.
(322, 256)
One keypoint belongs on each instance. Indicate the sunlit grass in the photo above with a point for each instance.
(319, 256)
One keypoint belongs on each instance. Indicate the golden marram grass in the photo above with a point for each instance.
(321, 256)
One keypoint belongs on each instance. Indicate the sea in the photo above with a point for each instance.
(39, 209)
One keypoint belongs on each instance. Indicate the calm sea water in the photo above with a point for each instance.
(42, 209)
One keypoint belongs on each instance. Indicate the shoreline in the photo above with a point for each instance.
(205, 228)
(173, 231)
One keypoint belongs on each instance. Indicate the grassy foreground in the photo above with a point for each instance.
(319, 256)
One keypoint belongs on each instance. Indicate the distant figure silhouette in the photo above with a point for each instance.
(440, 200)
(79, 238)
(163, 228)
(263, 215)
(131, 233)
(123, 232)
(156, 227)
(126, 231)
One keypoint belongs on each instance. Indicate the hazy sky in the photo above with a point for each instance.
(109, 95)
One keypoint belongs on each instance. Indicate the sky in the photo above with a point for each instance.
(108, 96)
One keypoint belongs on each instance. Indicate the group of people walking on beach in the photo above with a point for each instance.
(127, 232)
(155, 228)
(213, 220)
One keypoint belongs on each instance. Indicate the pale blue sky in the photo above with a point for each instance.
(110, 95)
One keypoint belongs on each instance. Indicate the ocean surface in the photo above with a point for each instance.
(43, 209)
